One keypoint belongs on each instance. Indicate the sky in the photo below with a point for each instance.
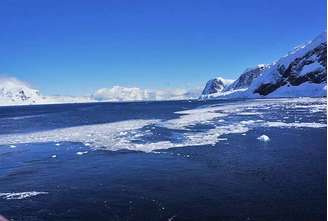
(75, 47)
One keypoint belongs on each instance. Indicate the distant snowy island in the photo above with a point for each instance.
(15, 92)
(301, 73)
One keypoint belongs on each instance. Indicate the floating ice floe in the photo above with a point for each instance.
(249, 113)
(81, 152)
(223, 138)
(20, 195)
(264, 138)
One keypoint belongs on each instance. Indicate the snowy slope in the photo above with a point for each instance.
(247, 77)
(302, 72)
(306, 64)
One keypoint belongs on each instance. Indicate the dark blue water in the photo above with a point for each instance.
(236, 178)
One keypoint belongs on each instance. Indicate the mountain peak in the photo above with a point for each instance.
(216, 85)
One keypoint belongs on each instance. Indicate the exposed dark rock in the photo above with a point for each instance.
(291, 75)
(245, 79)
(213, 86)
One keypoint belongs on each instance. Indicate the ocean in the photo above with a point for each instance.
(171, 160)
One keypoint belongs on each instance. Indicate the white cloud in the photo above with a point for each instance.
(177, 94)
(12, 82)
(118, 93)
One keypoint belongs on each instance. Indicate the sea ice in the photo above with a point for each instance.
(20, 195)
(220, 120)
(264, 138)
(81, 152)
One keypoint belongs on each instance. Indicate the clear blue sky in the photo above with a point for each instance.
(77, 46)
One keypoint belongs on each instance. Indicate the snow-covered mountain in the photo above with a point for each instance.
(302, 72)
(216, 85)
(15, 92)
(216, 88)
(247, 77)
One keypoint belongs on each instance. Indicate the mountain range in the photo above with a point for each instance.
(302, 72)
